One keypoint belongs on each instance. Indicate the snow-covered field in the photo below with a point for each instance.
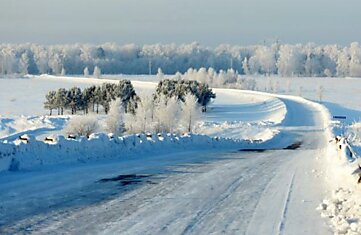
(200, 192)
(257, 115)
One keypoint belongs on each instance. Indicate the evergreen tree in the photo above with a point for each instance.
(61, 100)
(74, 97)
(50, 102)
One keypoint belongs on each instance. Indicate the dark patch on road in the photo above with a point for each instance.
(254, 150)
(293, 146)
(128, 179)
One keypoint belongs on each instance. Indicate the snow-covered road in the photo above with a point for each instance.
(270, 192)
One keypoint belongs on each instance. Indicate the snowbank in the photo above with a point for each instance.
(29, 152)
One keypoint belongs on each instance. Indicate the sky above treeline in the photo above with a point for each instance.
(209, 22)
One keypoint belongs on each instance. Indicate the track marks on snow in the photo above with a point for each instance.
(285, 209)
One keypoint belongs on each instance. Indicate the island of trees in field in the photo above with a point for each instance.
(91, 98)
(276, 58)
(175, 106)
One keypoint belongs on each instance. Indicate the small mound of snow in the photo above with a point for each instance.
(343, 210)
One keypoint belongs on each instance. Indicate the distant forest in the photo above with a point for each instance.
(282, 59)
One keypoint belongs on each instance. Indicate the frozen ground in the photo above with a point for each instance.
(271, 192)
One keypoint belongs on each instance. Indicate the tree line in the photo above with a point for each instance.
(178, 89)
(274, 58)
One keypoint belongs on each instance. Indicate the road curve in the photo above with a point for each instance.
(270, 192)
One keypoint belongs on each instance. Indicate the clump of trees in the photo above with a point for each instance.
(165, 114)
(92, 98)
(175, 106)
(178, 89)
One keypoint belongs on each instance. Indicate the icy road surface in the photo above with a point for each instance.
(270, 192)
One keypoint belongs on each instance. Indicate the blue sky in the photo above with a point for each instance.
(209, 22)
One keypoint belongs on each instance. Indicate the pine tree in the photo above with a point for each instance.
(74, 97)
(50, 102)
(61, 100)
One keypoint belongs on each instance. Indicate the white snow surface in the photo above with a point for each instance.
(191, 189)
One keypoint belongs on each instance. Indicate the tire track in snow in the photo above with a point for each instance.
(201, 214)
(248, 176)
(285, 209)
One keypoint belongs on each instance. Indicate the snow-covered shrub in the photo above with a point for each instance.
(82, 125)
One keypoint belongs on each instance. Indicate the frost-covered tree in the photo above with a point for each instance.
(142, 120)
(24, 63)
(63, 72)
(97, 72)
(245, 66)
(115, 118)
(190, 112)
(86, 72)
(263, 61)
(355, 62)
(82, 125)
(285, 60)
(291, 61)
(160, 74)
(343, 64)
(55, 63)
(166, 114)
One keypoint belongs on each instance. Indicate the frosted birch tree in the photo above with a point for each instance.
(86, 72)
(115, 118)
(97, 72)
(166, 114)
(190, 112)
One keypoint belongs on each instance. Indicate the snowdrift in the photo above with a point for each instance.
(28, 152)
